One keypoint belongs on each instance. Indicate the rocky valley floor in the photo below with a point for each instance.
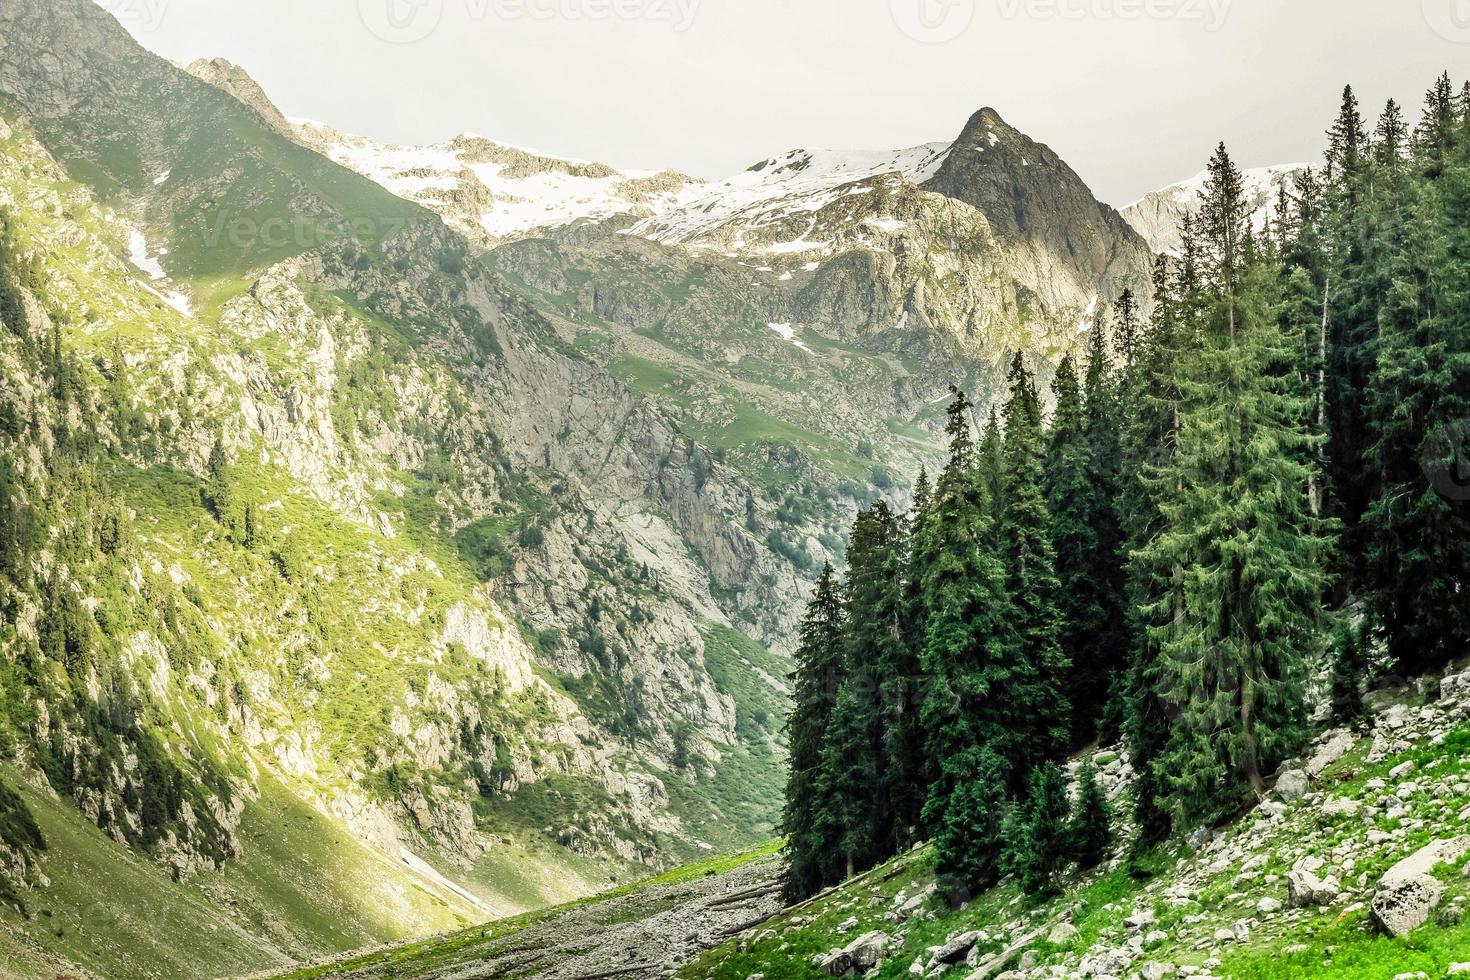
(648, 930)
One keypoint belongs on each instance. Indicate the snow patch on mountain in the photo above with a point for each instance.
(787, 332)
(505, 192)
(775, 190)
(1159, 216)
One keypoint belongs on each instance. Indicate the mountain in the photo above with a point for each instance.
(384, 555)
(1159, 216)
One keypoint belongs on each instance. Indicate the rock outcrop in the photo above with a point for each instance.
(1408, 894)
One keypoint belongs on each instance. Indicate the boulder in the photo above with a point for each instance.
(1304, 889)
(1408, 894)
(1268, 906)
(1157, 971)
(957, 948)
(1341, 808)
(1140, 920)
(1061, 934)
(1401, 770)
(848, 924)
(865, 951)
(1292, 785)
(1336, 745)
(837, 963)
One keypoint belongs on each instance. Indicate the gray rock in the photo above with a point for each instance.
(837, 963)
(1401, 770)
(1061, 934)
(1292, 785)
(1157, 971)
(1341, 808)
(1408, 894)
(866, 950)
(957, 948)
(1268, 906)
(1337, 745)
(1305, 889)
(1140, 920)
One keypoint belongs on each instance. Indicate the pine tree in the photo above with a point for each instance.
(1347, 147)
(818, 675)
(1246, 553)
(970, 652)
(219, 495)
(970, 844)
(1091, 829)
(878, 669)
(1036, 681)
(1150, 449)
(846, 814)
(1390, 138)
(251, 530)
(1129, 331)
(1418, 403)
(1351, 670)
(1439, 127)
(1040, 850)
(1107, 561)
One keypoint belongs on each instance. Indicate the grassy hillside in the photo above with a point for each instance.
(1221, 911)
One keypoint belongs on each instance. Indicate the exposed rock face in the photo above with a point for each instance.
(1034, 202)
(1159, 216)
(1408, 894)
(231, 78)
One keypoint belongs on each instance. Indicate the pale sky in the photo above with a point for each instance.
(1132, 93)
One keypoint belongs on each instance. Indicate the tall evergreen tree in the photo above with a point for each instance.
(1246, 552)
(970, 653)
(219, 492)
(816, 680)
(1041, 669)
(879, 669)
(1039, 850)
(1419, 401)
(1439, 127)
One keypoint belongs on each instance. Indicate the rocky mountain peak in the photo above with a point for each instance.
(230, 77)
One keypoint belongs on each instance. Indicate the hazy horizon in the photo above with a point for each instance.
(1134, 101)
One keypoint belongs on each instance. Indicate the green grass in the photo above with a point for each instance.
(421, 958)
(301, 886)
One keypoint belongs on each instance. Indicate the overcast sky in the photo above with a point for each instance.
(1132, 93)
